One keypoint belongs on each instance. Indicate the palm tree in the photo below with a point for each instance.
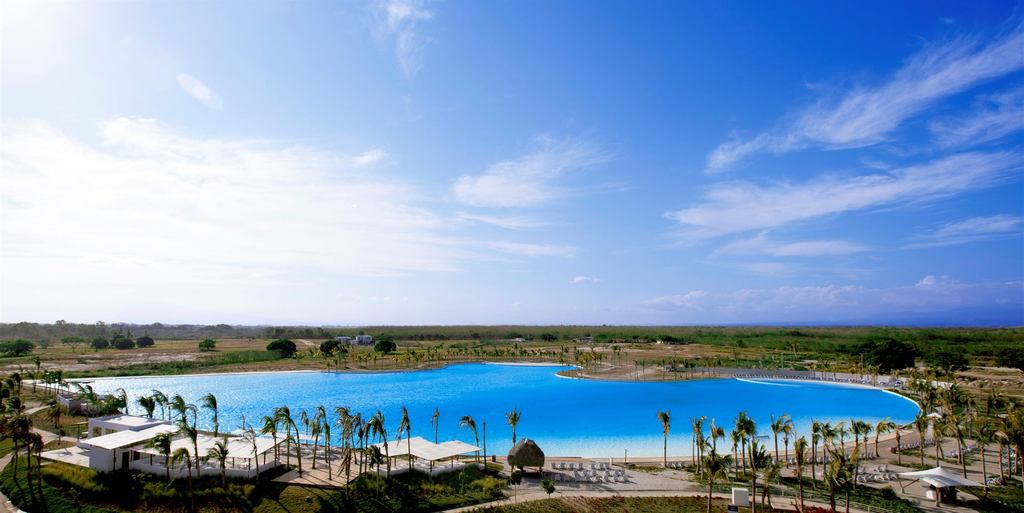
(800, 454)
(162, 443)
(467, 422)
(921, 425)
(771, 474)
(325, 428)
(269, 427)
(735, 436)
(665, 417)
(161, 400)
(697, 426)
(985, 435)
(758, 460)
(777, 425)
(715, 432)
(182, 454)
(379, 429)
(284, 415)
(435, 420)
(313, 426)
(884, 426)
(148, 405)
(405, 427)
(954, 425)
(512, 417)
(715, 467)
(210, 403)
(193, 435)
(250, 436)
(53, 414)
(839, 477)
(788, 429)
(219, 453)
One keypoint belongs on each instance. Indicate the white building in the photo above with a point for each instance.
(119, 442)
(364, 340)
(343, 339)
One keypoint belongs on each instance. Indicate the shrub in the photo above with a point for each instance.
(208, 345)
(328, 347)
(385, 344)
(282, 345)
(18, 347)
(99, 343)
(122, 342)
(145, 341)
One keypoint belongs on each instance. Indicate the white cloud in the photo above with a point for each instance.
(507, 222)
(760, 245)
(527, 249)
(971, 230)
(578, 280)
(401, 22)
(993, 117)
(532, 178)
(927, 301)
(369, 157)
(865, 116)
(200, 91)
(736, 207)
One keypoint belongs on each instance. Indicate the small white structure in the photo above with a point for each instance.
(119, 442)
(364, 340)
(740, 497)
(426, 454)
(343, 339)
(942, 483)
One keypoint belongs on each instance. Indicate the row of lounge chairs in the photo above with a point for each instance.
(575, 465)
(884, 477)
(678, 465)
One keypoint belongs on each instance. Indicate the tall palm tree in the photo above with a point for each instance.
(379, 429)
(250, 436)
(148, 405)
(954, 424)
(325, 428)
(839, 476)
(435, 421)
(467, 422)
(715, 467)
(182, 454)
(985, 434)
(777, 425)
(210, 403)
(162, 443)
(665, 417)
(715, 432)
(921, 425)
(404, 427)
(758, 461)
(314, 427)
(735, 436)
(788, 428)
(815, 438)
(193, 435)
(512, 417)
(161, 400)
(219, 453)
(284, 414)
(800, 455)
(884, 426)
(698, 442)
(269, 427)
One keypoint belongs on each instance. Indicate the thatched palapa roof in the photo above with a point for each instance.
(526, 453)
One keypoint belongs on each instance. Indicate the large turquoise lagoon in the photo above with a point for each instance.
(567, 417)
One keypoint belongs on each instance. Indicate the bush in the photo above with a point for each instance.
(145, 341)
(889, 354)
(18, 347)
(1011, 357)
(385, 344)
(122, 342)
(99, 343)
(282, 345)
(208, 345)
(328, 347)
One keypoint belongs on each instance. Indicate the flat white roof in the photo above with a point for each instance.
(130, 421)
(425, 449)
(127, 438)
(238, 447)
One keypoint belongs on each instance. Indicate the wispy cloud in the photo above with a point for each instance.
(402, 20)
(867, 115)
(531, 179)
(761, 245)
(971, 230)
(507, 222)
(528, 249)
(736, 207)
(369, 157)
(200, 91)
(931, 296)
(580, 280)
(993, 117)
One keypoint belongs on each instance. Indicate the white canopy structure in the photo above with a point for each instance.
(943, 482)
(939, 477)
(424, 449)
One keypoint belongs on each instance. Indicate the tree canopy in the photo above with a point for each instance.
(284, 346)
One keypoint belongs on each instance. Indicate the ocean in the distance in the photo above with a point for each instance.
(567, 417)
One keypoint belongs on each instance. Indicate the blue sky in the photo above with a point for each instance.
(417, 162)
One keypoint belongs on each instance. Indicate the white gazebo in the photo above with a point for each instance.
(942, 483)
(426, 454)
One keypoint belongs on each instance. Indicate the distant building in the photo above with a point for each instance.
(363, 340)
(343, 339)
(584, 340)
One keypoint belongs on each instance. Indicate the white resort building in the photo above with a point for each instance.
(119, 442)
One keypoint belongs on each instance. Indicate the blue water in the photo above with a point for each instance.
(567, 417)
